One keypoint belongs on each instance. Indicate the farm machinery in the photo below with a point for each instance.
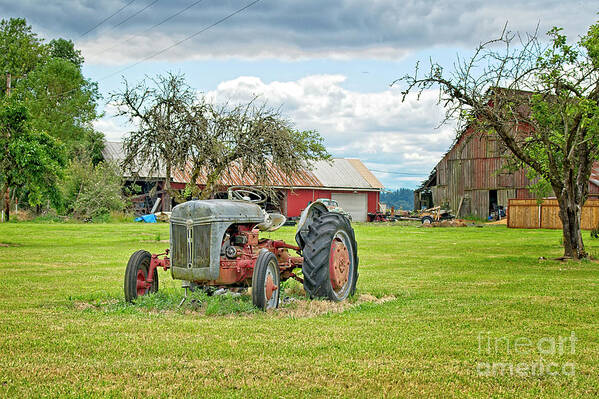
(216, 243)
(436, 214)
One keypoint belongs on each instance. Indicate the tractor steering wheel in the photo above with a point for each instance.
(248, 194)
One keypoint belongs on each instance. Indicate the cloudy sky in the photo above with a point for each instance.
(327, 64)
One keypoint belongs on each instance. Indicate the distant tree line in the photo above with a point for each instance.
(402, 198)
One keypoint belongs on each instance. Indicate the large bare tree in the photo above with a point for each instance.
(250, 139)
(541, 98)
(159, 110)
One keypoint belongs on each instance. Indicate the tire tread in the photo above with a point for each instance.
(317, 244)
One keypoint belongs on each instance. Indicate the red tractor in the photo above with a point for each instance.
(216, 243)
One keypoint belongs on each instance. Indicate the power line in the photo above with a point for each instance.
(163, 50)
(135, 14)
(182, 40)
(400, 173)
(172, 16)
(107, 18)
(151, 27)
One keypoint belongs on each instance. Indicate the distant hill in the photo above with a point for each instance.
(400, 199)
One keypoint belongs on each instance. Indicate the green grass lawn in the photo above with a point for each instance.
(454, 288)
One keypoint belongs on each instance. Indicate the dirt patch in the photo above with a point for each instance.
(305, 308)
(447, 223)
(371, 298)
(83, 305)
(5, 244)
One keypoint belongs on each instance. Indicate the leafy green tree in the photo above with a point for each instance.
(541, 100)
(31, 162)
(65, 49)
(61, 101)
(21, 50)
(48, 78)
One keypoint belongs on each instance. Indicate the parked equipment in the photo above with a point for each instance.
(216, 243)
(436, 214)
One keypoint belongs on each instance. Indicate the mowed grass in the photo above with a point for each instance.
(451, 286)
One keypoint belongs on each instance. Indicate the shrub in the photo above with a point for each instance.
(92, 192)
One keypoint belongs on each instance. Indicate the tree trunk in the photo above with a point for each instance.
(569, 212)
(6, 193)
(166, 197)
(211, 181)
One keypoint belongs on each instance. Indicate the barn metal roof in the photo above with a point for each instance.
(234, 176)
(113, 151)
(336, 173)
(345, 173)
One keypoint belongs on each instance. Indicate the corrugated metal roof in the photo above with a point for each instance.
(366, 173)
(234, 176)
(337, 173)
(113, 151)
(341, 173)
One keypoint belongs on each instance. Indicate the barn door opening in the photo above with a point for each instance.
(492, 201)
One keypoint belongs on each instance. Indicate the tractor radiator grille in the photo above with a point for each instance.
(179, 245)
(191, 246)
(201, 244)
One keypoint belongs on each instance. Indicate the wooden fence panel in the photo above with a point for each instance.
(590, 215)
(550, 216)
(523, 214)
(527, 214)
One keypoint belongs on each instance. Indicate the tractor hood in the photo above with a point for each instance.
(197, 231)
(201, 212)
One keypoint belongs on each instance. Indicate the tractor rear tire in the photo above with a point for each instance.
(266, 281)
(330, 253)
(136, 274)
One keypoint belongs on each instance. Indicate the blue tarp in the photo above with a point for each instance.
(151, 218)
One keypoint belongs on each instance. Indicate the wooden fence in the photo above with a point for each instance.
(527, 214)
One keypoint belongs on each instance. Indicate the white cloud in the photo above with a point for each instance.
(376, 127)
(116, 49)
(113, 129)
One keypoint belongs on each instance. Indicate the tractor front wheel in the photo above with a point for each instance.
(136, 276)
(330, 265)
(266, 281)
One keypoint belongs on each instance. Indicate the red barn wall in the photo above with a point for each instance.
(373, 201)
(298, 200)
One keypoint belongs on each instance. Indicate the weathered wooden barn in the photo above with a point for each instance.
(472, 178)
(348, 181)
